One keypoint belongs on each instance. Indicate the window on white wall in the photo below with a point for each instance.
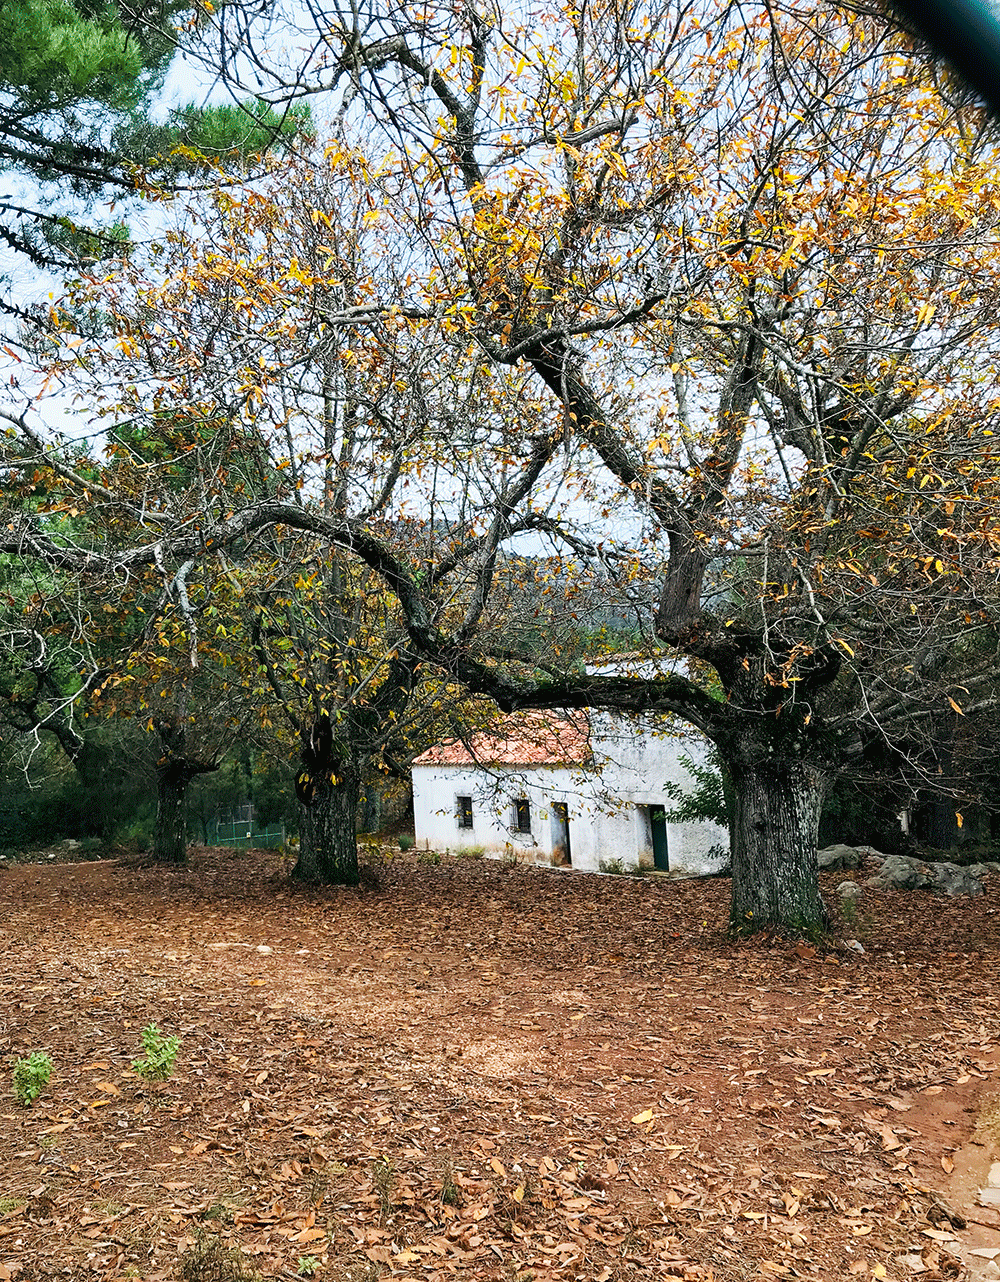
(463, 811)
(522, 815)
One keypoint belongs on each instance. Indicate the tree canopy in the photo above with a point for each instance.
(703, 296)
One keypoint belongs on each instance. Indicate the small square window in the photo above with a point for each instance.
(522, 815)
(463, 809)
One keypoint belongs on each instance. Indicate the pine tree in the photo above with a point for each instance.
(77, 80)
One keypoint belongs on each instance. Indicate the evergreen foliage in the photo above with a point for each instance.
(77, 80)
(706, 799)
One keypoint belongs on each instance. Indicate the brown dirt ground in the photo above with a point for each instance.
(479, 1071)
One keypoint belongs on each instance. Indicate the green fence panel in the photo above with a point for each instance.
(246, 835)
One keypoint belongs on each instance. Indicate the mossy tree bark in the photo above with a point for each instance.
(328, 846)
(773, 848)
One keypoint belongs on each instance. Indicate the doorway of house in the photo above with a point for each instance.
(658, 833)
(561, 853)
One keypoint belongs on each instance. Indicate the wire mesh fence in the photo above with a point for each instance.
(247, 834)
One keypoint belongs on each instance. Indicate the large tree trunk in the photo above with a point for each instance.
(170, 837)
(174, 771)
(773, 843)
(328, 842)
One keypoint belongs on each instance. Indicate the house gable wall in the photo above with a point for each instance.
(609, 804)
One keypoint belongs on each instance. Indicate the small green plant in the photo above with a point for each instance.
(429, 857)
(31, 1076)
(210, 1260)
(161, 1055)
(384, 1179)
(307, 1266)
(8, 1204)
(855, 917)
(472, 852)
(614, 866)
(218, 1211)
(451, 1194)
(407, 842)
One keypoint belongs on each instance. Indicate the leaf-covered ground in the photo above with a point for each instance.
(476, 1071)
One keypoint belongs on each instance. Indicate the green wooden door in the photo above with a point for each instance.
(658, 825)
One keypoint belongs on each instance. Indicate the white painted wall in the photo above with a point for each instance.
(436, 789)
(634, 758)
(608, 803)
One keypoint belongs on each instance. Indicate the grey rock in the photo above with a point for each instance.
(849, 890)
(901, 872)
(839, 856)
(869, 852)
(855, 946)
(983, 870)
(952, 880)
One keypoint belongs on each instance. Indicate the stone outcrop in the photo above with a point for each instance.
(902, 872)
(905, 872)
(832, 858)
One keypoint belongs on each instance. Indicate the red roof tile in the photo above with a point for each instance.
(525, 739)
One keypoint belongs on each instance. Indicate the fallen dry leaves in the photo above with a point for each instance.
(481, 1072)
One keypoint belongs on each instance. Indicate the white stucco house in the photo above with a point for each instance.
(566, 790)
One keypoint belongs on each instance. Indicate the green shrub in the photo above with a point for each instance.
(614, 866)
(31, 1076)
(161, 1054)
(139, 836)
(407, 842)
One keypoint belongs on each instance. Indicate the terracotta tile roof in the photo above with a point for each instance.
(525, 739)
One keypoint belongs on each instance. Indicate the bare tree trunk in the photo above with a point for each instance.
(773, 840)
(328, 842)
